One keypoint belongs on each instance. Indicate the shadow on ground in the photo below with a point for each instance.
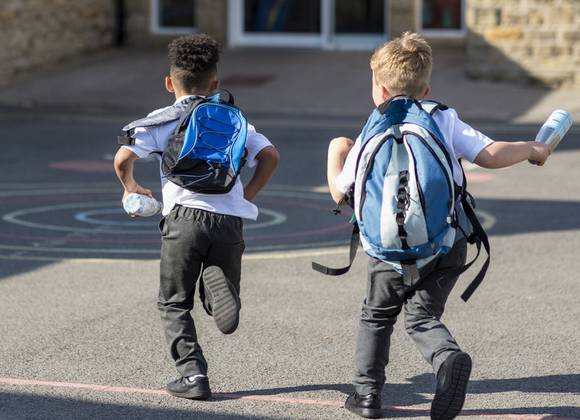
(411, 393)
(20, 406)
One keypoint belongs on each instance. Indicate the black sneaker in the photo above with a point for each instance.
(198, 389)
(451, 388)
(222, 299)
(368, 406)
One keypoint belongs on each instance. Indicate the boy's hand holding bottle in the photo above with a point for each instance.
(139, 202)
(539, 153)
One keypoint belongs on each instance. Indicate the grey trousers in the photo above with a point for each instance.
(191, 240)
(423, 304)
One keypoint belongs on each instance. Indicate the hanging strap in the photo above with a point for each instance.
(354, 243)
(478, 237)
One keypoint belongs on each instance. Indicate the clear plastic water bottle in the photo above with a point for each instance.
(141, 205)
(555, 128)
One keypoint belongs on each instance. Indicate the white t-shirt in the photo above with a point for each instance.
(154, 139)
(462, 142)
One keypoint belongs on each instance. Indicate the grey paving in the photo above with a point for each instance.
(87, 317)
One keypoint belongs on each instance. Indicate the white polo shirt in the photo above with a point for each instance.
(462, 142)
(153, 139)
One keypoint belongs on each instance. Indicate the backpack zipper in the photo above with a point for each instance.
(449, 187)
(419, 188)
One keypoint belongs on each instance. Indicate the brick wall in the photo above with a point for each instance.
(38, 32)
(524, 40)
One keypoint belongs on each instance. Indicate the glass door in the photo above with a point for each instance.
(307, 23)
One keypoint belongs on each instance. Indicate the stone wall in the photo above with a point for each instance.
(38, 32)
(401, 17)
(212, 18)
(533, 40)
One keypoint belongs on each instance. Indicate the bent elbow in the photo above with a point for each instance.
(271, 155)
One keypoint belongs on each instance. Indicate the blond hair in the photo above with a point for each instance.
(403, 65)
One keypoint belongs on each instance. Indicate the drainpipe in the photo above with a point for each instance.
(120, 27)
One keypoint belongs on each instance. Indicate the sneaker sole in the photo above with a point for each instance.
(225, 306)
(191, 395)
(368, 413)
(448, 404)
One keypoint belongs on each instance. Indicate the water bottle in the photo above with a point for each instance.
(141, 205)
(554, 129)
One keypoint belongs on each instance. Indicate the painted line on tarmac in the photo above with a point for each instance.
(281, 255)
(333, 248)
(424, 409)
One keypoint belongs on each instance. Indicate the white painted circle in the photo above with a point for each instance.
(277, 218)
(106, 226)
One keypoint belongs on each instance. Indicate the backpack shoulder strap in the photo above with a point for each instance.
(432, 106)
(164, 116)
(222, 95)
(184, 116)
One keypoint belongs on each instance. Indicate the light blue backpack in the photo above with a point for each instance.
(404, 196)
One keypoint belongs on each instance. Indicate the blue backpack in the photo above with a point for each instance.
(404, 196)
(207, 150)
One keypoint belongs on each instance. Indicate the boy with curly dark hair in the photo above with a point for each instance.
(201, 233)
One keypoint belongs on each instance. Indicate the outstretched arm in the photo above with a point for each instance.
(123, 164)
(502, 154)
(267, 159)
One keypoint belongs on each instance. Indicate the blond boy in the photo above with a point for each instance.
(402, 68)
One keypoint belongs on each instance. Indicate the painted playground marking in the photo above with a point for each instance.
(91, 214)
(422, 409)
(15, 217)
(97, 218)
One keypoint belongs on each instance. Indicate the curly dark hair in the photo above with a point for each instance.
(193, 60)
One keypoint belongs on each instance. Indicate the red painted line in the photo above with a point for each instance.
(90, 387)
(271, 398)
(83, 165)
(268, 398)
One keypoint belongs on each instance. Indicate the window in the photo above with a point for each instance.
(173, 16)
(441, 18)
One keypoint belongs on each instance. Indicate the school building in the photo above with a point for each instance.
(503, 39)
